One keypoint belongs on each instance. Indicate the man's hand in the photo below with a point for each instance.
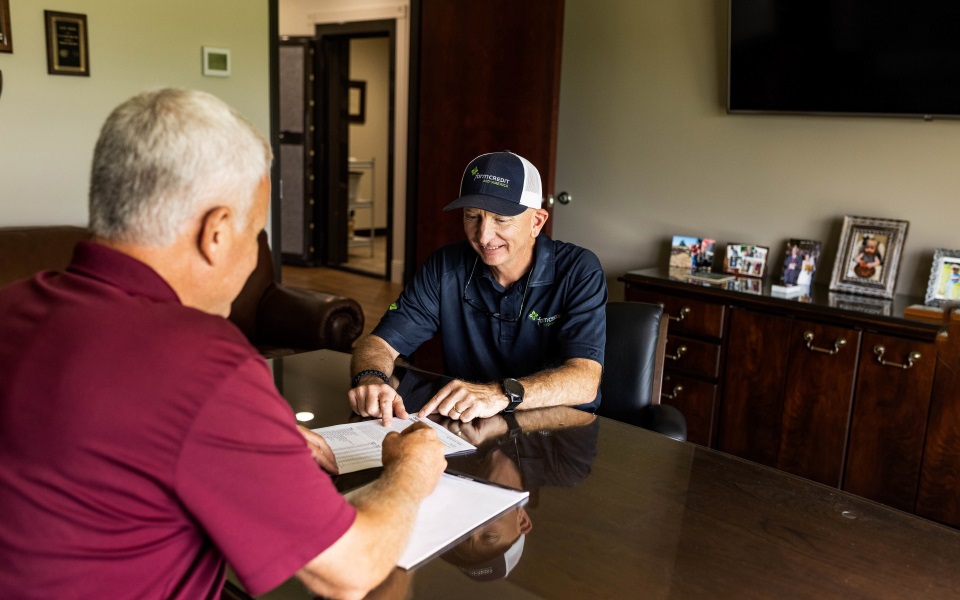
(466, 401)
(415, 456)
(320, 450)
(377, 400)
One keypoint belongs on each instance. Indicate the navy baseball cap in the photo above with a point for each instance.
(499, 182)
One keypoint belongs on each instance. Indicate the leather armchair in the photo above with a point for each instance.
(281, 320)
(633, 369)
(277, 319)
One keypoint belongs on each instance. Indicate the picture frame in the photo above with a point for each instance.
(682, 251)
(746, 260)
(944, 281)
(800, 262)
(861, 304)
(6, 42)
(68, 48)
(357, 101)
(868, 256)
(216, 62)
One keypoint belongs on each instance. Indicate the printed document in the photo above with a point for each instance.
(456, 507)
(356, 446)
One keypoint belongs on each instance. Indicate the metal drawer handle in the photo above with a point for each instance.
(676, 392)
(911, 358)
(837, 344)
(679, 353)
(683, 314)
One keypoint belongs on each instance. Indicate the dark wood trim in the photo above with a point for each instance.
(273, 23)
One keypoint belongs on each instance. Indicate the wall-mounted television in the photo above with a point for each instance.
(845, 57)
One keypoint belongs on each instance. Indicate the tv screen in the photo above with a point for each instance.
(866, 57)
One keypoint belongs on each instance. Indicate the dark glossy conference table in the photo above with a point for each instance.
(638, 515)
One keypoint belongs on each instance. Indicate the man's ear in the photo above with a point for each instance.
(526, 525)
(540, 217)
(216, 231)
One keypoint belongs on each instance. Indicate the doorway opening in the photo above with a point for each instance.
(337, 95)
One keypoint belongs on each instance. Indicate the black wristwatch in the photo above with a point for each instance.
(514, 391)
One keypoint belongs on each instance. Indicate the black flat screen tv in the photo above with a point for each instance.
(845, 57)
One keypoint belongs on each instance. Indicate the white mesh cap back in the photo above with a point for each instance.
(532, 195)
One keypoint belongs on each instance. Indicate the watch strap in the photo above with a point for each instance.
(364, 373)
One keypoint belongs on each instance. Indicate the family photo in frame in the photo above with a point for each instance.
(944, 281)
(800, 262)
(868, 256)
(748, 260)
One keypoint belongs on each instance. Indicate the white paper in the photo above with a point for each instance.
(356, 446)
(456, 507)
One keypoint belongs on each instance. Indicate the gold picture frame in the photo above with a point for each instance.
(68, 51)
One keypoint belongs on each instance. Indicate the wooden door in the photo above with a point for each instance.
(890, 419)
(817, 399)
(489, 81)
(756, 369)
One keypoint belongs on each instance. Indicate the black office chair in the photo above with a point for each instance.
(633, 369)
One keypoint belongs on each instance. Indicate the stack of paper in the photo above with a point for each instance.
(357, 446)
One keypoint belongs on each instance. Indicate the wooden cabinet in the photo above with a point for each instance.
(691, 373)
(829, 389)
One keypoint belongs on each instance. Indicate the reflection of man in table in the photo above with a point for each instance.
(548, 447)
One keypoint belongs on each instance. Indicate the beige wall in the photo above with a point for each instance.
(48, 124)
(648, 151)
(370, 62)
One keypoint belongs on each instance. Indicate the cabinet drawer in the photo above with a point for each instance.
(686, 315)
(696, 400)
(692, 356)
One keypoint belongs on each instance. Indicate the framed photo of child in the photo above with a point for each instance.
(868, 256)
(944, 281)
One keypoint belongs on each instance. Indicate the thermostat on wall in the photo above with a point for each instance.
(216, 62)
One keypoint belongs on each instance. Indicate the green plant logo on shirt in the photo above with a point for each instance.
(546, 322)
(393, 306)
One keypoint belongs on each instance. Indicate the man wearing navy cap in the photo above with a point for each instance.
(521, 315)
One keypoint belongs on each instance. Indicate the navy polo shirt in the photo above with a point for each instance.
(555, 313)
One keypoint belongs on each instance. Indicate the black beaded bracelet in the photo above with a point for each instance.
(362, 374)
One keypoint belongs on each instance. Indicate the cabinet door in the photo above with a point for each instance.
(754, 373)
(890, 419)
(817, 398)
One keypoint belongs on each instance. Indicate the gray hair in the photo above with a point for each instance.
(163, 157)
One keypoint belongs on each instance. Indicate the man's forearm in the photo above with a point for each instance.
(571, 384)
(372, 353)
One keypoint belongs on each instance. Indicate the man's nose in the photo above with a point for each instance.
(486, 231)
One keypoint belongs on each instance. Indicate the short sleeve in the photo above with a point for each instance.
(247, 476)
(583, 331)
(415, 317)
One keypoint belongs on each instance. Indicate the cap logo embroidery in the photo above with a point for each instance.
(493, 179)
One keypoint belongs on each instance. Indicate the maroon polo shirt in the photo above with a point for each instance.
(142, 443)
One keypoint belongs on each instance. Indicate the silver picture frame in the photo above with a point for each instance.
(868, 256)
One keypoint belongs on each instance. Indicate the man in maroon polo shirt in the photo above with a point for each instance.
(142, 443)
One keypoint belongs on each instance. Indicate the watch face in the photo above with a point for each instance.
(512, 387)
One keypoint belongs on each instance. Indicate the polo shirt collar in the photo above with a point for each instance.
(120, 270)
(544, 262)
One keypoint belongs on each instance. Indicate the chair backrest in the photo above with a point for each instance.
(633, 359)
(243, 312)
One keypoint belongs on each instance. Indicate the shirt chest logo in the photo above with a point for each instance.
(543, 321)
